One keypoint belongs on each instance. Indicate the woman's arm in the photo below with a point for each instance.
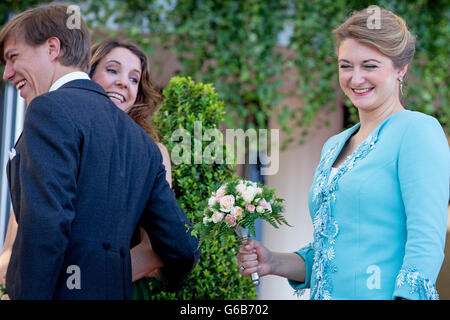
(423, 173)
(7, 246)
(166, 162)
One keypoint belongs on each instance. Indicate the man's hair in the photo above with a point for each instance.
(36, 25)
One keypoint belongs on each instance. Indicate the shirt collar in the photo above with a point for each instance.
(67, 78)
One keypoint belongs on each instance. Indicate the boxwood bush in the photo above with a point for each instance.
(216, 275)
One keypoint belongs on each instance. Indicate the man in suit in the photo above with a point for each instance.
(83, 174)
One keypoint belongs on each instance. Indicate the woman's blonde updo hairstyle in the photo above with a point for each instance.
(389, 35)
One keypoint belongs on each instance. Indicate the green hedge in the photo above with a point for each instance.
(216, 275)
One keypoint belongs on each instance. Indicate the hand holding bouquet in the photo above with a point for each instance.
(235, 207)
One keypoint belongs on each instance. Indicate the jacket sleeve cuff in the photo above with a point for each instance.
(412, 285)
(307, 254)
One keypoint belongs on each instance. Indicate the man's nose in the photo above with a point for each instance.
(8, 74)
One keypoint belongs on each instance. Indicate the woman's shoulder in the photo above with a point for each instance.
(166, 162)
(164, 152)
(420, 123)
(162, 148)
(417, 118)
(422, 135)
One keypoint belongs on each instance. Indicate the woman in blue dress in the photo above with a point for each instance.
(380, 193)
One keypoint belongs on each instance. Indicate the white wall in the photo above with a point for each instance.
(292, 182)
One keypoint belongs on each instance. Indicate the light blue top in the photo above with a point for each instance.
(380, 223)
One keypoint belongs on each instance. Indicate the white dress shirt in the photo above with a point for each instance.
(76, 75)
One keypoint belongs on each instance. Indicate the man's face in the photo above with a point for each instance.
(27, 67)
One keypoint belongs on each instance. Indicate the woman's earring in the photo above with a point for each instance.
(400, 79)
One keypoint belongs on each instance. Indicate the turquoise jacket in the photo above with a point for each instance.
(380, 223)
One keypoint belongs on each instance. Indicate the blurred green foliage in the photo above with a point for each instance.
(234, 45)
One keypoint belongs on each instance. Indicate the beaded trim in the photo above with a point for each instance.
(424, 287)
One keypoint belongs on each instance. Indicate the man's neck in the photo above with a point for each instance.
(62, 71)
(67, 75)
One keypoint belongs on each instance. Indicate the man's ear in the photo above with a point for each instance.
(53, 47)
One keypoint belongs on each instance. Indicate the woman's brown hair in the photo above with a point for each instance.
(147, 99)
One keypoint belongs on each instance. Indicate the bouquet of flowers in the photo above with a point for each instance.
(234, 208)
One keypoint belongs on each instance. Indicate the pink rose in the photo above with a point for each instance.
(263, 203)
(230, 219)
(237, 212)
(266, 205)
(250, 208)
(217, 217)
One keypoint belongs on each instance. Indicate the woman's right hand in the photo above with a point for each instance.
(254, 257)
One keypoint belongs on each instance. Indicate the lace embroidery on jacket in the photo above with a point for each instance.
(325, 227)
(424, 287)
(300, 292)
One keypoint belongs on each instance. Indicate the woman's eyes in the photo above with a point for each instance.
(114, 71)
(111, 70)
(366, 66)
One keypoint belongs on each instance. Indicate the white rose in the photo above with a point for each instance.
(237, 212)
(252, 190)
(248, 196)
(217, 216)
(205, 220)
(212, 201)
(226, 203)
(240, 188)
(260, 209)
(221, 191)
(259, 190)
